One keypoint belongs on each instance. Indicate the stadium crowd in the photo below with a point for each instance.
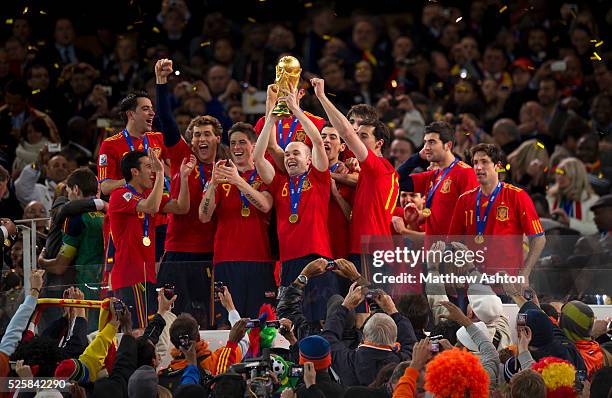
(188, 179)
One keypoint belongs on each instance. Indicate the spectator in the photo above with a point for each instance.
(571, 197)
(401, 149)
(506, 135)
(62, 49)
(316, 350)
(527, 163)
(35, 135)
(416, 309)
(549, 96)
(9, 205)
(527, 384)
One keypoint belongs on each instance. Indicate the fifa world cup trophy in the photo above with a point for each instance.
(288, 72)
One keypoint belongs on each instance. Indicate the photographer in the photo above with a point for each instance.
(183, 333)
(380, 333)
(310, 389)
(315, 355)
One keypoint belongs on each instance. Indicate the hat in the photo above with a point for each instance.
(143, 383)
(522, 63)
(541, 328)
(317, 350)
(576, 320)
(466, 340)
(72, 369)
(559, 377)
(485, 303)
(604, 201)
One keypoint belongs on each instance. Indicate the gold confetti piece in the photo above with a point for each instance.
(391, 125)
(593, 58)
(326, 37)
(205, 43)
(458, 19)
(540, 145)
(307, 5)
(331, 95)
(155, 29)
(597, 57)
(130, 27)
(508, 167)
(9, 21)
(394, 83)
(25, 10)
(530, 68)
(35, 91)
(56, 65)
(599, 44)
(504, 8)
(40, 43)
(593, 40)
(251, 20)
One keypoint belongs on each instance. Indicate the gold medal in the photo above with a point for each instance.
(146, 241)
(293, 218)
(245, 212)
(7, 242)
(479, 239)
(426, 212)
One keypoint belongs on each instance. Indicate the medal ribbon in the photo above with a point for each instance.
(334, 167)
(202, 175)
(146, 216)
(295, 193)
(482, 223)
(245, 201)
(128, 139)
(433, 190)
(282, 143)
(567, 205)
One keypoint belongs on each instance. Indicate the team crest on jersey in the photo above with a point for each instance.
(103, 160)
(502, 213)
(127, 196)
(446, 186)
(156, 150)
(300, 136)
(306, 185)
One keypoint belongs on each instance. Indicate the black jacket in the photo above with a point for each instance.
(360, 366)
(73, 344)
(326, 385)
(125, 364)
(290, 307)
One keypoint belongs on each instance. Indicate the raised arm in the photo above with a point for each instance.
(207, 204)
(150, 205)
(340, 122)
(319, 157)
(262, 165)
(172, 135)
(181, 204)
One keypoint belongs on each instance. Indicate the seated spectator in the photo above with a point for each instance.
(571, 197)
(527, 163)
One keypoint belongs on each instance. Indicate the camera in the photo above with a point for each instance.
(296, 371)
(119, 307)
(371, 297)
(435, 345)
(528, 294)
(273, 324)
(185, 341)
(331, 265)
(219, 288)
(253, 323)
(259, 382)
(581, 376)
(521, 320)
(54, 148)
(168, 291)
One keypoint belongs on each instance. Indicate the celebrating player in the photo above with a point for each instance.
(132, 231)
(241, 203)
(189, 243)
(301, 199)
(497, 208)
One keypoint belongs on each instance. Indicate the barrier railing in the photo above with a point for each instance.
(29, 246)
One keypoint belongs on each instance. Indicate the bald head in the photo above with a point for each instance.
(531, 110)
(297, 158)
(505, 131)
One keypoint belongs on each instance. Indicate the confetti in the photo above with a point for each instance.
(41, 12)
(458, 19)
(463, 74)
(307, 5)
(251, 20)
(593, 40)
(56, 65)
(138, 22)
(155, 29)
(205, 43)
(331, 95)
(540, 145)
(177, 73)
(599, 44)
(508, 167)
(391, 125)
(35, 91)
(130, 27)
(326, 37)
(9, 21)
(504, 8)
(25, 10)
(597, 57)
(394, 83)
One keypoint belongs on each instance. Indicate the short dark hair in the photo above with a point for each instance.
(131, 161)
(184, 324)
(85, 179)
(381, 132)
(491, 150)
(130, 102)
(205, 120)
(443, 129)
(415, 307)
(364, 111)
(38, 123)
(146, 351)
(17, 87)
(245, 128)
(527, 384)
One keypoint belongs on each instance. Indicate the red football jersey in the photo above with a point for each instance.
(133, 262)
(309, 234)
(338, 225)
(459, 179)
(240, 238)
(114, 148)
(512, 215)
(299, 134)
(375, 199)
(185, 232)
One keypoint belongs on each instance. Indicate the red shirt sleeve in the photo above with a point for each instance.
(259, 125)
(123, 201)
(457, 225)
(421, 181)
(109, 166)
(530, 222)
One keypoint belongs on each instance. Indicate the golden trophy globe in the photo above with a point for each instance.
(288, 72)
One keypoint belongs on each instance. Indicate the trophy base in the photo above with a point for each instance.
(281, 110)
